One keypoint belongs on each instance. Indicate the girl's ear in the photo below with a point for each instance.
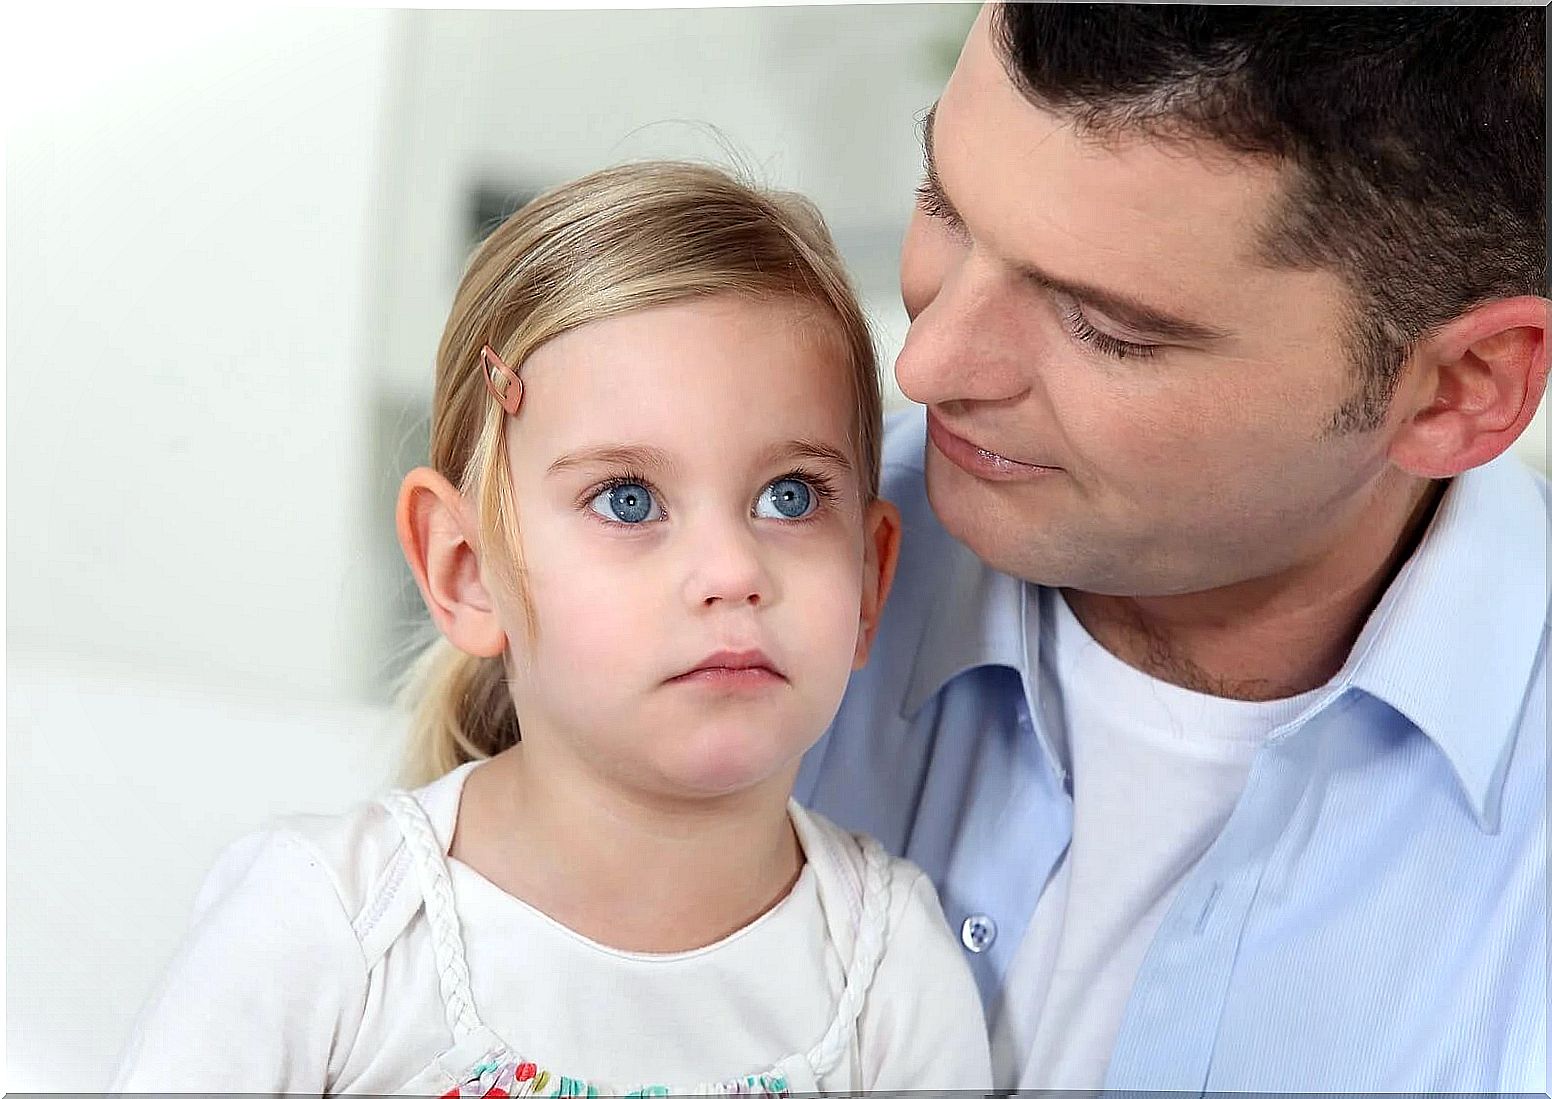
(437, 533)
(881, 550)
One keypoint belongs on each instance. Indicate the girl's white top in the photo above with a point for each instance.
(347, 953)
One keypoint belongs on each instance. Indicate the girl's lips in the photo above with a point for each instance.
(743, 669)
(738, 679)
(979, 462)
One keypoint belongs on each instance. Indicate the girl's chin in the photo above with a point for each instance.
(720, 763)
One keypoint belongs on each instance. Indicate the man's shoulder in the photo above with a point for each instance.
(902, 479)
(1499, 521)
(905, 437)
(927, 550)
(1541, 482)
(1506, 484)
(925, 546)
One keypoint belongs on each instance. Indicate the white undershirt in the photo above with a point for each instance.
(311, 969)
(1156, 771)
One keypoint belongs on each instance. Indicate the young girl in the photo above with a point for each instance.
(652, 543)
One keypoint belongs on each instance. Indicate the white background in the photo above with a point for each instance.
(231, 243)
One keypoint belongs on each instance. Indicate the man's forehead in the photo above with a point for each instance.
(1134, 213)
(1130, 182)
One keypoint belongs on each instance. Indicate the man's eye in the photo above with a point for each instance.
(787, 498)
(1084, 332)
(1079, 327)
(628, 502)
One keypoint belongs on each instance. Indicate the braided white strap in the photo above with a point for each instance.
(864, 959)
(437, 889)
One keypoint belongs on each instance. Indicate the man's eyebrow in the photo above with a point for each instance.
(1141, 317)
(633, 457)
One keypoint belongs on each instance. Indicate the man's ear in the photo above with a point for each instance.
(437, 533)
(1473, 387)
(881, 552)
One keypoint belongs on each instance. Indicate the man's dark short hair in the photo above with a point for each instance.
(1415, 134)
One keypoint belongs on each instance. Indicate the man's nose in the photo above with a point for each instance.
(966, 342)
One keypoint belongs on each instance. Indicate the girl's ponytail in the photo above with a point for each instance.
(459, 710)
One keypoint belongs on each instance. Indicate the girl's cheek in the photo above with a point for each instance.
(602, 601)
(616, 637)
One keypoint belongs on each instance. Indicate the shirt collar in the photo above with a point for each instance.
(1454, 641)
(975, 619)
(1451, 645)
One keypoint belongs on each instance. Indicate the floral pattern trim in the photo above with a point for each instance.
(505, 1077)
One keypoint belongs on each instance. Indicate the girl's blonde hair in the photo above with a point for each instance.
(618, 240)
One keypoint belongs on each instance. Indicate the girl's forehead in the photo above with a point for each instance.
(717, 332)
(736, 373)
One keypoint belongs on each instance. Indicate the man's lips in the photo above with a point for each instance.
(978, 461)
(743, 668)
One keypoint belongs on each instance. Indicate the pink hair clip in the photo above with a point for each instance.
(501, 380)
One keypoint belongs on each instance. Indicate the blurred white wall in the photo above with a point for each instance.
(819, 99)
(189, 268)
(189, 259)
(229, 261)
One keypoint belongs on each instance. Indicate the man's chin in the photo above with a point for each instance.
(1018, 538)
(990, 521)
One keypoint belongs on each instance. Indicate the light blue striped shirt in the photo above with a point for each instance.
(1373, 916)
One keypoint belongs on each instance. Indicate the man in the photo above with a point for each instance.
(1212, 691)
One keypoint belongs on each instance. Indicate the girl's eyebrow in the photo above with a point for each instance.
(656, 458)
(636, 457)
(795, 449)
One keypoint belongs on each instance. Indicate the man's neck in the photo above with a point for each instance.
(1271, 637)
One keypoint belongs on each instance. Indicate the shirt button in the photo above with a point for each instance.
(977, 933)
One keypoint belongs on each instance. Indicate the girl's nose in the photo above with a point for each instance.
(726, 568)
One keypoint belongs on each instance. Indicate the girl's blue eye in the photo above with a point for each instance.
(627, 503)
(785, 499)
